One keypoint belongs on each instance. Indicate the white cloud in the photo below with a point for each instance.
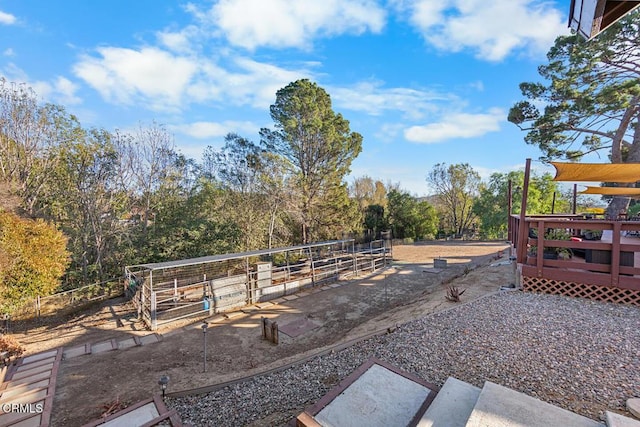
(123, 75)
(163, 81)
(373, 99)
(59, 90)
(179, 41)
(243, 81)
(492, 29)
(460, 125)
(7, 18)
(205, 130)
(258, 82)
(286, 23)
(8, 52)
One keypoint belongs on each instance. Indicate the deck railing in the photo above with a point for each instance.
(613, 261)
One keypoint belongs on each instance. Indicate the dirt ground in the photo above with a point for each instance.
(410, 288)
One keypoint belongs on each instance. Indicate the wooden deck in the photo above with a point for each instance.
(608, 270)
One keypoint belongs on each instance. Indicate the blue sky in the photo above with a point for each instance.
(424, 81)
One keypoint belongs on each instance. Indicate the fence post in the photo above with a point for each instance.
(384, 253)
(140, 298)
(175, 292)
(154, 320)
(313, 270)
(354, 259)
(248, 285)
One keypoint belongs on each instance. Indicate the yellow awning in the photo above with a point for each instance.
(597, 211)
(599, 172)
(613, 191)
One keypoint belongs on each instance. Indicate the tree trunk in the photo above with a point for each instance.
(616, 145)
(619, 204)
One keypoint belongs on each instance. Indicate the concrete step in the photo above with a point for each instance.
(617, 420)
(499, 406)
(633, 405)
(452, 406)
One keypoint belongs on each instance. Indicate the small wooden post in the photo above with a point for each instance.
(269, 330)
(274, 333)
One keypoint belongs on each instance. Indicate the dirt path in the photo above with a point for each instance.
(409, 289)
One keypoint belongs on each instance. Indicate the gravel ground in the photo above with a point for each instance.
(581, 355)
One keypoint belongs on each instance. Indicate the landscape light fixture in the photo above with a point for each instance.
(205, 325)
(163, 382)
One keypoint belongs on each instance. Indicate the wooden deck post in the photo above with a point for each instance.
(509, 207)
(521, 250)
(615, 253)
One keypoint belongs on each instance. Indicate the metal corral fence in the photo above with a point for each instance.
(68, 301)
(168, 291)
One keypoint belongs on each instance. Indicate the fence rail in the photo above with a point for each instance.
(67, 301)
(198, 289)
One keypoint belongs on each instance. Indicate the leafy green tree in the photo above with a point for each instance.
(33, 257)
(374, 219)
(320, 147)
(274, 186)
(371, 198)
(237, 167)
(84, 201)
(337, 216)
(455, 187)
(591, 99)
(191, 225)
(491, 205)
(409, 218)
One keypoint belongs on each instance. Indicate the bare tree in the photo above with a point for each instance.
(28, 133)
(147, 161)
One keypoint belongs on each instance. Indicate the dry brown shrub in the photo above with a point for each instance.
(9, 348)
